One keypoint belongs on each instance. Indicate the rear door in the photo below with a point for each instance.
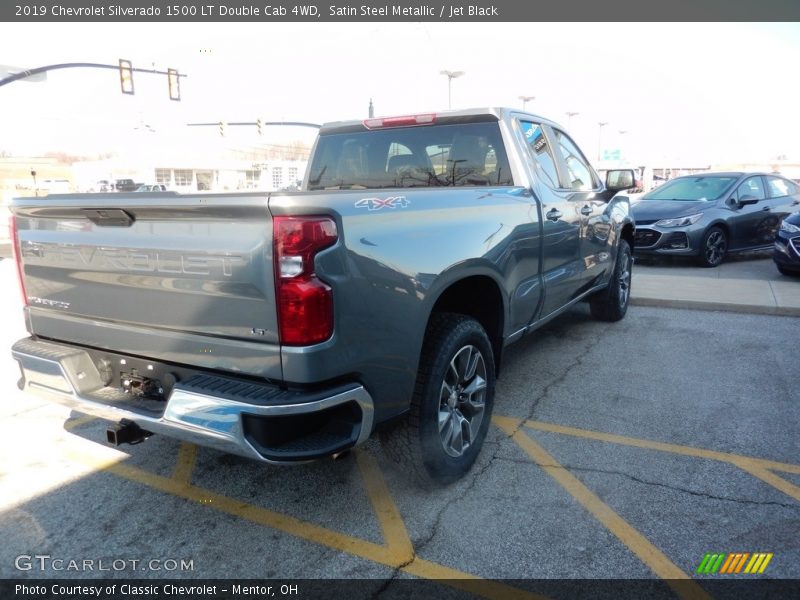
(563, 268)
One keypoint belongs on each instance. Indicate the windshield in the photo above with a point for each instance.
(692, 189)
(428, 156)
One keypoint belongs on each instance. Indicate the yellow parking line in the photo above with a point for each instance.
(736, 459)
(256, 514)
(769, 477)
(394, 530)
(656, 560)
(184, 466)
(394, 555)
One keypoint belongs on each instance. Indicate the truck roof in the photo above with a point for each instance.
(468, 115)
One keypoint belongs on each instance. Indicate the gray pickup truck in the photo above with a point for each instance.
(291, 326)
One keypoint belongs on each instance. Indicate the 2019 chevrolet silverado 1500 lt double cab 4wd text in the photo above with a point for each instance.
(291, 326)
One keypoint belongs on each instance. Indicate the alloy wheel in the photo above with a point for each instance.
(462, 401)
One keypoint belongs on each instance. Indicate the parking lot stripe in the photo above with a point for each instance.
(769, 477)
(394, 530)
(656, 560)
(736, 459)
(184, 466)
(396, 557)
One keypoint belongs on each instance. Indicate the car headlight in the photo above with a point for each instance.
(680, 221)
(789, 228)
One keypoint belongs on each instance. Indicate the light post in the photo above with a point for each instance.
(601, 124)
(569, 117)
(526, 99)
(450, 76)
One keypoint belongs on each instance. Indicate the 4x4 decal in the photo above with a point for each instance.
(379, 203)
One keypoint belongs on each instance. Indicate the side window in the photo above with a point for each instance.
(751, 188)
(579, 172)
(778, 187)
(540, 152)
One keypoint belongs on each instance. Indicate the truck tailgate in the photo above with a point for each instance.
(187, 277)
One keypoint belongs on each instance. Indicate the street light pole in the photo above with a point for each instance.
(601, 124)
(569, 116)
(526, 99)
(450, 76)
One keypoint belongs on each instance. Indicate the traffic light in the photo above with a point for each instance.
(174, 84)
(126, 76)
(258, 126)
(222, 128)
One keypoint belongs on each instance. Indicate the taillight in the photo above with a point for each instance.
(15, 249)
(305, 304)
(404, 121)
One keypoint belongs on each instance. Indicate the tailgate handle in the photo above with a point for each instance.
(109, 217)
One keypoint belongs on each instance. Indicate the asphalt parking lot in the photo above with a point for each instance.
(626, 450)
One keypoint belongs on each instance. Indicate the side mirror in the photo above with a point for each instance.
(745, 200)
(620, 179)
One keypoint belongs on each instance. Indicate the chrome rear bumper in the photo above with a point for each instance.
(193, 412)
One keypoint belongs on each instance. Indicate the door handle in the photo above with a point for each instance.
(586, 210)
(766, 208)
(553, 214)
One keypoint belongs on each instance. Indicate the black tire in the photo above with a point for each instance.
(713, 247)
(788, 272)
(418, 444)
(611, 304)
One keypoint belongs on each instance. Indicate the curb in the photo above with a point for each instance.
(753, 309)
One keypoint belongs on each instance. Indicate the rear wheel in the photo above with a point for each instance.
(611, 304)
(789, 273)
(444, 431)
(713, 247)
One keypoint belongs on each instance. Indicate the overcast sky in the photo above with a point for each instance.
(692, 93)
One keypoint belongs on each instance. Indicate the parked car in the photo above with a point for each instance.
(126, 185)
(787, 246)
(711, 214)
(102, 185)
(158, 187)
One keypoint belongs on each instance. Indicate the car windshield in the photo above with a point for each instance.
(692, 189)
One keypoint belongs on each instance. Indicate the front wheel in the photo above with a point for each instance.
(713, 247)
(444, 431)
(611, 304)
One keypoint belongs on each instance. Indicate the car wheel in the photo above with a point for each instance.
(788, 272)
(713, 247)
(451, 409)
(611, 304)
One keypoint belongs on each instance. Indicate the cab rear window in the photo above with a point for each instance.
(425, 156)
